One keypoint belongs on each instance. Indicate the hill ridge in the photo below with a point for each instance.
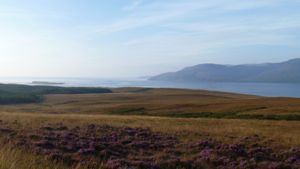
(283, 72)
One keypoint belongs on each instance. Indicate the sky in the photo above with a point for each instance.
(133, 38)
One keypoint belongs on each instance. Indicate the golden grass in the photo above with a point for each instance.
(154, 100)
(17, 159)
(284, 132)
(160, 101)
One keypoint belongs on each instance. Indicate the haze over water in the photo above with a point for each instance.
(262, 89)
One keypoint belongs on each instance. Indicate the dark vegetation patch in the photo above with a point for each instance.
(234, 115)
(129, 111)
(225, 115)
(18, 98)
(141, 90)
(15, 94)
(109, 147)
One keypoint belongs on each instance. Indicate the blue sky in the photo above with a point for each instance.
(129, 38)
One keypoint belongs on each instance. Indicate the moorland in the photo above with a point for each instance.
(150, 128)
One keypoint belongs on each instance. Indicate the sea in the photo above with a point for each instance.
(261, 89)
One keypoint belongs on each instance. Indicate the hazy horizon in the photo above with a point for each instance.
(134, 38)
(128, 77)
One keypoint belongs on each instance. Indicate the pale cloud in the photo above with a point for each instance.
(251, 24)
(135, 4)
(204, 36)
(159, 12)
(152, 16)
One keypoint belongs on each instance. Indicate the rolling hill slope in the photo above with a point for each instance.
(285, 72)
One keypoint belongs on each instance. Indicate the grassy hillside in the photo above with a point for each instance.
(173, 103)
(14, 94)
(150, 128)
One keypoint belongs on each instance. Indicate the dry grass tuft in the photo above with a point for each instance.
(16, 159)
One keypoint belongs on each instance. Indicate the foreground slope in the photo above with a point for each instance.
(136, 128)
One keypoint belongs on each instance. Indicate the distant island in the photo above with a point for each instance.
(284, 72)
(47, 83)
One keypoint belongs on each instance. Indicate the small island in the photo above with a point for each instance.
(47, 83)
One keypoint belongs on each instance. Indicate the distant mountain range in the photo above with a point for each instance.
(285, 72)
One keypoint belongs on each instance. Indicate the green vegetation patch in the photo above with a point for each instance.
(15, 98)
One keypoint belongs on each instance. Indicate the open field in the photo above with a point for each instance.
(167, 102)
(149, 113)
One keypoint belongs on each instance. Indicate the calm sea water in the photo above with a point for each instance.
(262, 89)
